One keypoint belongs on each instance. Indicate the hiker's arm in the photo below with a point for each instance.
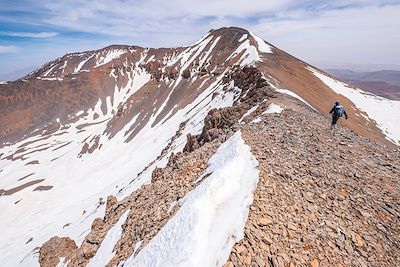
(345, 113)
(333, 109)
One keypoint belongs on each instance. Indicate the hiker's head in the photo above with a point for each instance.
(337, 103)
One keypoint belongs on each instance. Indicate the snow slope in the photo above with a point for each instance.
(212, 216)
(75, 186)
(288, 92)
(384, 111)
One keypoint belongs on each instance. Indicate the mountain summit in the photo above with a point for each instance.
(152, 157)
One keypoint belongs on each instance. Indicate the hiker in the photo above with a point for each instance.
(337, 111)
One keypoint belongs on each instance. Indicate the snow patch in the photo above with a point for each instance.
(109, 56)
(256, 120)
(244, 37)
(50, 78)
(82, 63)
(288, 92)
(273, 108)
(249, 112)
(212, 217)
(49, 70)
(263, 47)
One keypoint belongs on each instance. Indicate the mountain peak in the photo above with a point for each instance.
(229, 30)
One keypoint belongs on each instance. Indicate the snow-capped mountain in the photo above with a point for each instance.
(99, 123)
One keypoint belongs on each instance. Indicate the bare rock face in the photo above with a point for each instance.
(57, 247)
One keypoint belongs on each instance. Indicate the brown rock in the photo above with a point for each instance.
(57, 247)
(264, 221)
(314, 263)
(247, 260)
(359, 241)
(292, 226)
(240, 249)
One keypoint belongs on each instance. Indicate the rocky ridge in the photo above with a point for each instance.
(325, 198)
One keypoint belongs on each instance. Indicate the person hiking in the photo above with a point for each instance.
(337, 111)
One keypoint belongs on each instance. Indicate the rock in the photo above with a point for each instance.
(359, 241)
(264, 221)
(57, 247)
(247, 260)
(292, 226)
(259, 261)
(314, 263)
(228, 264)
(362, 262)
(240, 249)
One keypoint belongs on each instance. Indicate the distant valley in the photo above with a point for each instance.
(385, 83)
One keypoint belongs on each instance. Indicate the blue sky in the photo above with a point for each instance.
(319, 32)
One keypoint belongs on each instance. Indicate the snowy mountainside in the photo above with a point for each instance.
(99, 123)
(55, 180)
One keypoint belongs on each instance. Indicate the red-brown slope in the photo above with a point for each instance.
(292, 73)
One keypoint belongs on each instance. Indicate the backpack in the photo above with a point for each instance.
(338, 111)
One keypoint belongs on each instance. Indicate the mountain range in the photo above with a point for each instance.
(385, 83)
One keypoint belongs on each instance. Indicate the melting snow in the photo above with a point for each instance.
(244, 37)
(288, 92)
(384, 111)
(262, 45)
(249, 112)
(273, 108)
(63, 66)
(49, 70)
(249, 56)
(50, 78)
(110, 55)
(212, 217)
(82, 63)
(256, 120)
(105, 252)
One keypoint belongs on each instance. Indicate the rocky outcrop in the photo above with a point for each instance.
(254, 89)
(56, 248)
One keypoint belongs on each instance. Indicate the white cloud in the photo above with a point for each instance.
(6, 49)
(363, 35)
(29, 34)
(357, 31)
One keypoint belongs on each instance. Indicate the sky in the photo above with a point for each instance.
(323, 33)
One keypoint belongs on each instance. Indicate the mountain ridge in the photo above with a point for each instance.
(106, 123)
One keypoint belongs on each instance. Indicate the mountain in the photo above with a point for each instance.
(385, 83)
(152, 157)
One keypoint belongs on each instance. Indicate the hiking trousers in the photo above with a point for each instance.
(335, 119)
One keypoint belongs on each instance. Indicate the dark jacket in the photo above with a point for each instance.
(338, 106)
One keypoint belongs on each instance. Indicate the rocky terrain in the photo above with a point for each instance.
(324, 198)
